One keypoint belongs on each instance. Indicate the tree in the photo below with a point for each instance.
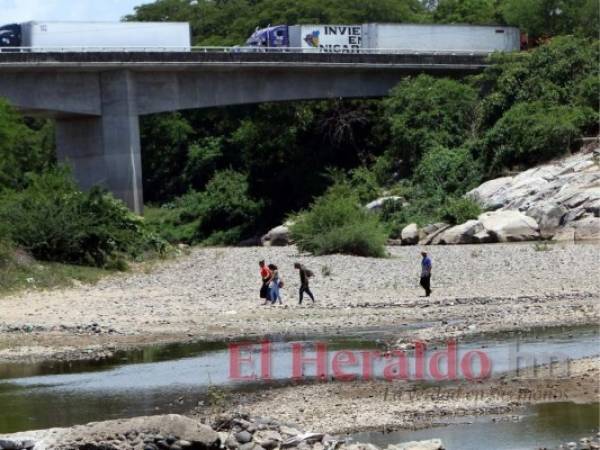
(425, 112)
(166, 142)
(530, 133)
(23, 149)
(552, 73)
(444, 171)
(231, 22)
(552, 17)
(481, 12)
(222, 214)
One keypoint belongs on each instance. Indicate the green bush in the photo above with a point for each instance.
(425, 112)
(337, 223)
(222, 214)
(459, 210)
(361, 181)
(588, 92)
(23, 148)
(364, 183)
(421, 209)
(54, 221)
(530, 133)
(552, 73)
(5, 253)
(476, 12)
(446, 171)
(551, 17)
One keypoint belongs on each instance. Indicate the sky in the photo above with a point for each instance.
(78, 10)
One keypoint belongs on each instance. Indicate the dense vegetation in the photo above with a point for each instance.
(430, 141)
(219, 176)
(338, 223)
(54, 221)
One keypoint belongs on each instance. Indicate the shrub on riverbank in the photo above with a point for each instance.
(54, 221)
(458, 210)
(530, 133)
(222, 214)
(337, 223)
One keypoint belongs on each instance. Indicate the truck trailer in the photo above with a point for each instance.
(388, 38)
(95, 36)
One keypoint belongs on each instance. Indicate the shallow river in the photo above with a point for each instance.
(172, 378)
(543, 426)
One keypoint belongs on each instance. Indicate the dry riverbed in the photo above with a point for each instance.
(213, 294)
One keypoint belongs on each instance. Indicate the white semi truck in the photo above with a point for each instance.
(388, 38)
(96, 36)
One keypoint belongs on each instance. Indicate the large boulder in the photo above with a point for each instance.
(377, 205)
(278, 236)
(430, 233)
(410, 234)
(462, 234)
(548, 215)
(585, 229)
(492, 194)
(510, 226)
(555, 195)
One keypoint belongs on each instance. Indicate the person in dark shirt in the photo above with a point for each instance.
(305, 274)
(426, 273)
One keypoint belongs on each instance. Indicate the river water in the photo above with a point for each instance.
(542, 426)
(172, 378)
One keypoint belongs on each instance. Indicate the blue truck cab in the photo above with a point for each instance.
(10, 35)
(275, 36)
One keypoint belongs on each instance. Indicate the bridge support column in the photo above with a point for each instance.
(105, 150)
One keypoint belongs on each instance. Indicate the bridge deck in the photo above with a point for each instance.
(186, 60)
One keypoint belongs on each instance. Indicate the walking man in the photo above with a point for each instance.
(426, 273)
(305, 274)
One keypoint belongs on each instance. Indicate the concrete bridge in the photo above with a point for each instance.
(96, 98)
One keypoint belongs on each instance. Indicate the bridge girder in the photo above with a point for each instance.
(97, 98)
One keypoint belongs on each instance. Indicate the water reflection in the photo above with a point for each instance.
(171, 379)
(546, 425)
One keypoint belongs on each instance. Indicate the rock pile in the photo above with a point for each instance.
(175, 432)
(242, 432)
(563, 198)
(585, 443)
(559, 201)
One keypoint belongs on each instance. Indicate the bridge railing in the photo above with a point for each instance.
(239, 49)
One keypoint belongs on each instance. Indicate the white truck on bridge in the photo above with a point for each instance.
(388, 38)
(96, 36)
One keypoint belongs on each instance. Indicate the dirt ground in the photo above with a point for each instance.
(213, 294)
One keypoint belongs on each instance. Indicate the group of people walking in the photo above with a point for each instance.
(272, 283)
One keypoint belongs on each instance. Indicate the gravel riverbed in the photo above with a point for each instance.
(212, 293)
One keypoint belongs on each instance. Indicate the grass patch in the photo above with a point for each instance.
(543, 246)
(45, 275)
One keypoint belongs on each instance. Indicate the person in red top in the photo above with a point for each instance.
(265, 276)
